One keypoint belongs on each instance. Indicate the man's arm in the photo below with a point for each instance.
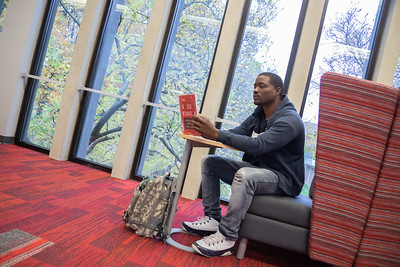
(276, 137)
(245, 128)
(205, 127)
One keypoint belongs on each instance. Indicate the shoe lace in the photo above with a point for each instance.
(201, 220)
(214, 239)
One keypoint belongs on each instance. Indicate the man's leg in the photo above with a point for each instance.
(247, 182)
(214, 169)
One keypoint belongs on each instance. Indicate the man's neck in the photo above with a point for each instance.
(270, 109)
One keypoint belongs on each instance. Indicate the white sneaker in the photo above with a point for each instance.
(214, 245)
(203, 226)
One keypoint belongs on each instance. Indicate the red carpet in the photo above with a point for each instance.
(71, 216)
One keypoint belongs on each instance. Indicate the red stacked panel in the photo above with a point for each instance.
(380, 244)
(355, 119)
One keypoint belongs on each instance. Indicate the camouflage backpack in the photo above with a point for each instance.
(147, 213)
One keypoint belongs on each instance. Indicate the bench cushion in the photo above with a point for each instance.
(291, 210)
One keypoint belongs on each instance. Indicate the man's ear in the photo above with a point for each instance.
(278, 90)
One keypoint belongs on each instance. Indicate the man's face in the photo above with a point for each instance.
(264, 93)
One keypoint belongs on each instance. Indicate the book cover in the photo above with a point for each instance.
(188, 108)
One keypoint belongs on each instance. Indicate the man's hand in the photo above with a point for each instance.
(205, 127)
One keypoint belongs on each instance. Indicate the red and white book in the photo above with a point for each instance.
(188, 108)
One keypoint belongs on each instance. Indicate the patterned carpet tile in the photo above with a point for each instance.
(17, 245)
(75, 214)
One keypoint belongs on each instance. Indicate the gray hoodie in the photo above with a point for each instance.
(279, 148)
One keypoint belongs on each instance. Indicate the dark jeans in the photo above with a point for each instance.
(246, 179)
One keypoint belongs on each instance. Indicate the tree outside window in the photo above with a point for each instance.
(396, 80)
(345, 47)
(266, 46)
(3, 9)
(114, 70)
(186, 72)
(43, 116)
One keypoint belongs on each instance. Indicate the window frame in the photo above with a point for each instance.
(289, 69)
(378, 32)
(86, 95)
(157, 84)
(32, 84)
(155, 91)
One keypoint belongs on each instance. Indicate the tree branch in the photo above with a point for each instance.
(170, 149)
(92, 145)
(69, 13)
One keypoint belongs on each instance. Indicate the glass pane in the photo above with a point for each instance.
(104, 135)
(396, 80)
(115, 69)
(44, 114)
(3, 9)
(55, 67)
(187, 73)
(266, 46)
(344, 48)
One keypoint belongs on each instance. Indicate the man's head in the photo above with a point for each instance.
(268, 88)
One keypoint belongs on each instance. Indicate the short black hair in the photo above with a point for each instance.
(274, 79)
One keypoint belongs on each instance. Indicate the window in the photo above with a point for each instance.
(345, 47)
(266, 46)
(3, 9)
(113, 72)
(396, 80)
(185, 71)
(48, 72)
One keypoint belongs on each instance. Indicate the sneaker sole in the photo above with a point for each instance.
(195, 231)
(211, 253)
